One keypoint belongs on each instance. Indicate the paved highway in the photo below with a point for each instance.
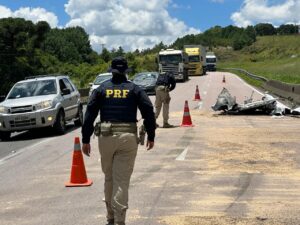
(224, 170)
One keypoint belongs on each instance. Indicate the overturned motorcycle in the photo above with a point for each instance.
(267, 105)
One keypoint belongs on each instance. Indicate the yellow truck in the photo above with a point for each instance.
(196, 59)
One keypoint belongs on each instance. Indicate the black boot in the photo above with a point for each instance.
(110, 222)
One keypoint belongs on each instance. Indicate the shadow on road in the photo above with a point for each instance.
(38, 134)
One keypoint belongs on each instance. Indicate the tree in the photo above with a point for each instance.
(263, 29)
(159, 47)
(120, 52)
(105, 55)
(41, 30)
(251, 33)
(241, 40)
(16, 51)
(69, 45)
(287, 29)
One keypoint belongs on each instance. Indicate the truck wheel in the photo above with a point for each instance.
(79, 120)
(60, 123)
(4, 136)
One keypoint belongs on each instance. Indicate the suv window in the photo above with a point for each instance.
(33, 88)
(62, 85)
(68, 84)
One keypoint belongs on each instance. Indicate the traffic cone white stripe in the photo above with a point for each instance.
(77, 147)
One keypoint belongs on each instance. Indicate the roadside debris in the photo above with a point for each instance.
(267, 105)
(225, 102)
(296, 111)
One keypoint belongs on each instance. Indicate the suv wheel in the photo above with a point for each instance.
(60, 123)
(4, 136)
(79, 120)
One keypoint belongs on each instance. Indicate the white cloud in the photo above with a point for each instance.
(131, 24)
(267, 11)
(33, 14)
(5, 12)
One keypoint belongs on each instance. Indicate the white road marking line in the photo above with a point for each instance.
(249, 85)
(200, 104)
(182, 156)
(2, 161)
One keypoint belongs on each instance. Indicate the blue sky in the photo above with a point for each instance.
(143, 23)
(201, 14)
(204, 14)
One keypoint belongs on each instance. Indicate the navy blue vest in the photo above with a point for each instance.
(118, 102)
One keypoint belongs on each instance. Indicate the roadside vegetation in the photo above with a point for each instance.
(28, 49)
(274, 57)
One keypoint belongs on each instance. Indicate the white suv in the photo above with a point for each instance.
(41, 101)
(99, 80)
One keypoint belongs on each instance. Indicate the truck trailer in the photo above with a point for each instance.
(196, 59)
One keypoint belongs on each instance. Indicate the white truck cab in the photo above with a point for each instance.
(211, 61)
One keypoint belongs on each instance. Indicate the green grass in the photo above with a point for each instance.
(285, 70)
(276, 58)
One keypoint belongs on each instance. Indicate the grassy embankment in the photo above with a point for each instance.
(273, 57)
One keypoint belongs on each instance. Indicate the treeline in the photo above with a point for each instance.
(233, 36)
(28, 49)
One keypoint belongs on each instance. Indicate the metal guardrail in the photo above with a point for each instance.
(84, 95)
(256, 77)
(285, 90)
(84, 92)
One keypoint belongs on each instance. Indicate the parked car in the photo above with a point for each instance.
(147, 81)
(99, 80)
(42, 101)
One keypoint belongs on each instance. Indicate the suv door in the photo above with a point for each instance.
(66, 99)
(73, 98)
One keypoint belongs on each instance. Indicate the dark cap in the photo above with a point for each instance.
(119, 65)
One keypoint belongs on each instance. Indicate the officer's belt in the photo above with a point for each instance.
(123, 128)
(161, 88)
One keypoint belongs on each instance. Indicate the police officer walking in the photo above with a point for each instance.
(164, 84)
(117, 100)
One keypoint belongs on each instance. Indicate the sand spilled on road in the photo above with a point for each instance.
(251, 150)
(245, 145)
(212, 220)
(250, 144)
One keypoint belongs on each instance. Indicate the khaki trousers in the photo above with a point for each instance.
(162, 99)
(118, 154)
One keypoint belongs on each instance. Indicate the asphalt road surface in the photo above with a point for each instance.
(224, 170)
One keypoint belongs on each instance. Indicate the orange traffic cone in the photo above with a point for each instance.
(186, 120)
(78, 173)
(197, 94)
(224, 81)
